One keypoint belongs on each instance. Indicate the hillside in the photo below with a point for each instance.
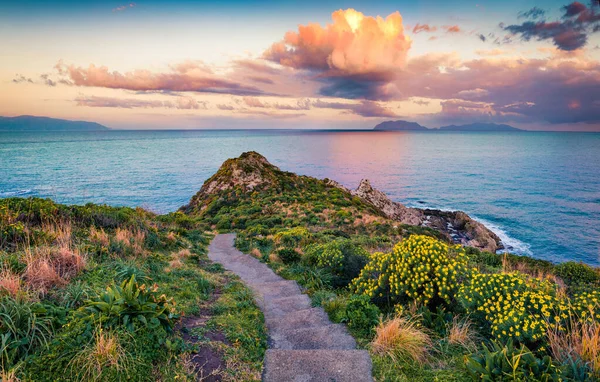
(32, 123)
(249, 191)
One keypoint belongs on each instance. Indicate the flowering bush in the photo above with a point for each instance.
(516, 308)
(586, 305)
(421, 268)
(292, 237)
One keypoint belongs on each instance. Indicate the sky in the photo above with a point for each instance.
(311, 64)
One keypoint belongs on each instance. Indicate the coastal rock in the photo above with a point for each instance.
(456, 225)
(392, 210)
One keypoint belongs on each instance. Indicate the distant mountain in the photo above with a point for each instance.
(479, 127)
(399, 126)
(31, 123)
(413, 126)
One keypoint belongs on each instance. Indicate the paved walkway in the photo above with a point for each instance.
(304, 346)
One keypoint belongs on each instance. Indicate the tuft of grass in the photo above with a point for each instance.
(402, 340)
(98, 236)
(462, 333)
(581, 341)
(10, 282)
(103, 356)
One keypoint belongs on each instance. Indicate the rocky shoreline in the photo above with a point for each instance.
(457, 226)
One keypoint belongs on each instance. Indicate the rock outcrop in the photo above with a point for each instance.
(392, 210)
(456, 225)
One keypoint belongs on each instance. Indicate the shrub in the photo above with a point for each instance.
(502, 363)
(361, 315)
(341, 257)
(401, 339)
(130, 304)
(289, 255)
(292, 237)
(576, 273)
(513, 306)
(420, 268)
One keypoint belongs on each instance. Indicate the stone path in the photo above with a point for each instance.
(304, 345)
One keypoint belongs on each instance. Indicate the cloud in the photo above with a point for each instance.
(262, 80)
(19, 78)
(256, 66)
(482, 37)
(184, 77)
(420, 102)
(183, 103)
(364, 108)
(47, 80)
(532, 13)
(472, 93)
(301, 104)
(423, 28)
(225, 107)
(451, 28)
(569, 33)
(507, 89)
(271, 114)
(121, 8)
(353, 44)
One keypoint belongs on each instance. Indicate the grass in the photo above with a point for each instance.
(54, 259)
(401, 339)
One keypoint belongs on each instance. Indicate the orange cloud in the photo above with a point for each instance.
(352, 44)
(452, 28)
(423, 28)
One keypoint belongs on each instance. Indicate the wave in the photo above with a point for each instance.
(8, 194)
(511, 244)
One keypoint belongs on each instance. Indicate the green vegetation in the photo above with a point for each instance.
(426, 309)
(95, 292)
(101, 293)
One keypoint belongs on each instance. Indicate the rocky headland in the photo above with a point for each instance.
(252, 172)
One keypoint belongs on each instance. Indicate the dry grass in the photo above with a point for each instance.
(256, 253)
(401, 339)
(9, 376)
(131, 239)
(582, 341)
(10, 282)
(98, 236)
(48, 267)
(274, 258)
(461, 332)
(61, 231)
(105, 352)
(171, 237)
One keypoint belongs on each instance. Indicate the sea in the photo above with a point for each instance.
(539, 191)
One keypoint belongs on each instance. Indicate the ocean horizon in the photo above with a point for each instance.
(539, 191)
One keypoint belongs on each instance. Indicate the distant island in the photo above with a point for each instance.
(413, 126)
(31, 123)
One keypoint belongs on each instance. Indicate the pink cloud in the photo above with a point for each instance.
(185, 77)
